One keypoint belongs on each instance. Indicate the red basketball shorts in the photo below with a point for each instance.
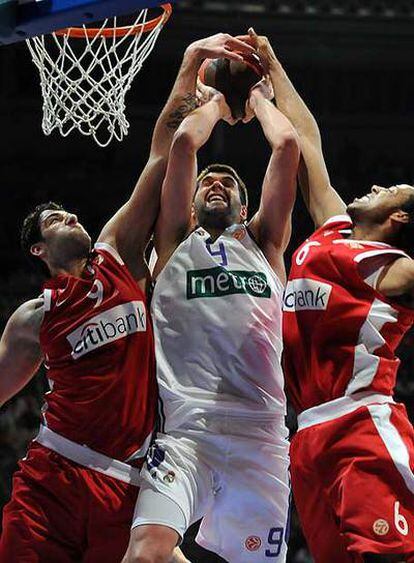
(353, 484)
(61, 512)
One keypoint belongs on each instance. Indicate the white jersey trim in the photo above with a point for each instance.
(110, 249)
(87, 457)
(372, 253)
(47, 300)
(363, 242)
(338, 218)
(381, 415)
(370, 339)
(339, 407)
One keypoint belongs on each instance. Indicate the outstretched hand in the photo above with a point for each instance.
(221, 45)
(262, 48)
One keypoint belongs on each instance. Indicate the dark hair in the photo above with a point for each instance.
(224, 168)
(30, 233)
(406, 235)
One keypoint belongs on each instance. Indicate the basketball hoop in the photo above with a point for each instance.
(86, 72)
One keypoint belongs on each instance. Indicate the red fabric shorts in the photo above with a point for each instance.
(353, 484)
(61, 512)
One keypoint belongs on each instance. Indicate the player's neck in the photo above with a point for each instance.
(72, 268)
(371, 233)
(214, 232)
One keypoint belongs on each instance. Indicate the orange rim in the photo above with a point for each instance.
(81, 32)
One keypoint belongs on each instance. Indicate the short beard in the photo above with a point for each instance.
(72, 250)
(217, 219)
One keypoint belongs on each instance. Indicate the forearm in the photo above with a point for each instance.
(180, 180)
(291, 104)
(196, 129)
(180, 103)
(277, 128)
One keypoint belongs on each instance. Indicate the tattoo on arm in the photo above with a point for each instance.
(189, 103)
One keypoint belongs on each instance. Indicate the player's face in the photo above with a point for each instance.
(63, 235)
(218, 200)
(380, 203)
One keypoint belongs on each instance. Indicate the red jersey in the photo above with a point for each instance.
(99, 351)
(340, 333)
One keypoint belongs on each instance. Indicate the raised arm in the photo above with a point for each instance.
(174, 220)
(129, 230)
(20, 354)
(271, 226)
(320, 197)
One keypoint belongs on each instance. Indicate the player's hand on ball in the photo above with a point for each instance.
(221, 45)
(262, 47)
(225, 111)
(204, 93)
(207, 93)
(263, 89)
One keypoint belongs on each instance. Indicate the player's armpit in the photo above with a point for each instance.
(179, 557)
(20, 353)
(397, 279)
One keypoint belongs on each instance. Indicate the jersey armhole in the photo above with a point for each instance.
(254, 241)
(338, 224)
(374, 262)
(110, 250)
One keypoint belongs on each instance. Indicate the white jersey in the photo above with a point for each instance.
(218, 332)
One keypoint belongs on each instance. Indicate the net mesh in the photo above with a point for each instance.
(84, 81)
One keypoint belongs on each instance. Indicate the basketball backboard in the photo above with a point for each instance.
(21, 19)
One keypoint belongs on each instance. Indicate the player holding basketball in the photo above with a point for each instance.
(348, 303)
(222, 454)
(74, 494)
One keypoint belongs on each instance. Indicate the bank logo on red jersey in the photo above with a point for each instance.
(111, 325)
(306, 294)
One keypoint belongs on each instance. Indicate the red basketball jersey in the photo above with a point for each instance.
(340, 333)
(99, 351)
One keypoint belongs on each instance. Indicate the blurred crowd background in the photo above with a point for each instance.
(351, 60)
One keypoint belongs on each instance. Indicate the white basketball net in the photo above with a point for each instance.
(84, 81)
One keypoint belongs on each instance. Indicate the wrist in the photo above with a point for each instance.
(256, 99)
(194, 53)
(275, 67)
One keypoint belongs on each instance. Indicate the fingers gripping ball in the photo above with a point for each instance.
(233, 79)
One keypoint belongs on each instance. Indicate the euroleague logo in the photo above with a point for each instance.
(253, 543)
(381, 527)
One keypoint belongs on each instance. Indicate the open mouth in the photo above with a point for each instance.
(213, 198)
(364, 198)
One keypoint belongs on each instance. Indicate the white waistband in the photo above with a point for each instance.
(339, 407)
(87, 457)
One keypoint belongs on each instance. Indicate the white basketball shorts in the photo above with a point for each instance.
(234, 474)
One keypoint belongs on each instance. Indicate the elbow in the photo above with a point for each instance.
(183, 141)
(288, 140)
(287, 144)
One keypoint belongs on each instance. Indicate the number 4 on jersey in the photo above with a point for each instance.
(221, 251)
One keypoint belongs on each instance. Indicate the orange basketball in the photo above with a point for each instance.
(234, 79)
